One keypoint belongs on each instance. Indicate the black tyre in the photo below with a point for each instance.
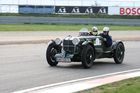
(88, 56)
(119, 53)
(50, 54)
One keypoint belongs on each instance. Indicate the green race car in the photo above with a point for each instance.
(83, 48)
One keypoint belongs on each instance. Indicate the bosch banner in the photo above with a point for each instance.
(130, 11)
(124, 10)
(80, 9)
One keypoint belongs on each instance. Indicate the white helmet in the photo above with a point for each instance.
(106, 29)
(83, 32)
(94, 29)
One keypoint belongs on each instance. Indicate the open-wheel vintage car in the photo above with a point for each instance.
(83, 48)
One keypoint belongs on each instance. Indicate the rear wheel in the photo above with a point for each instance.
(119, 53)
(88, 56)
(50, 54)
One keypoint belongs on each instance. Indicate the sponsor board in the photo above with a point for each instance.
(124, 10)
(8, 8)
(129, 10)
(36, 9)
(80, 9)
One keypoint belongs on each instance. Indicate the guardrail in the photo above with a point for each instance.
(61, 20)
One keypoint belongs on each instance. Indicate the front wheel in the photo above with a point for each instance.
(88, 56)
(50, 54)
(119, 53)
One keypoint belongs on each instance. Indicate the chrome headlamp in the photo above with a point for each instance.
(57, 41)
(76, 41)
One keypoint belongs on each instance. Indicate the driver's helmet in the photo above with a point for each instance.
(94, 30)
(106, 30)
(83, 32)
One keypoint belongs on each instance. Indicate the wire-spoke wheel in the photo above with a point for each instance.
(88, 56)
(50, 55)
(119, 53)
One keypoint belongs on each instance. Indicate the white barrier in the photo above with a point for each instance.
(8, 8)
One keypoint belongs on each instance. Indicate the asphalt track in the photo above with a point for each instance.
(37, 37)
(61, 20)
(24, 66)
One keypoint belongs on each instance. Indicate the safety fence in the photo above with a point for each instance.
(109, 10)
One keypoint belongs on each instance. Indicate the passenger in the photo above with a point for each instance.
(106, 36)
(94, 31)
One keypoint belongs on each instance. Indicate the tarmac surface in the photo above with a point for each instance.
(84, 83)
(28, 37)
(24, 66)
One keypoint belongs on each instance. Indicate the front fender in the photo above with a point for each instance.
(86, 42)
(114, 45)
(50, 42)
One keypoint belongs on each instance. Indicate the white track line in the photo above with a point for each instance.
(72, 85)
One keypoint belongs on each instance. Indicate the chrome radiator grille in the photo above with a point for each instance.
(68, 46)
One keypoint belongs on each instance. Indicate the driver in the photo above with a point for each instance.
(94, 31)
(106, 36)
(83, 32)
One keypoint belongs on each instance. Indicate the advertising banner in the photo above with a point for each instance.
(80, 9)
(36, 9)
(129, 10)
(124, 10)
(8, 8)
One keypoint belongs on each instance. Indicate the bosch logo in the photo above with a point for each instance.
(129, 11)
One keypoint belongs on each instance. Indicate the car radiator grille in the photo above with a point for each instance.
(68, 46)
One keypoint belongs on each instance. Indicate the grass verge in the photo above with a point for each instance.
(125, 86)
(75, 15)
(59, 27)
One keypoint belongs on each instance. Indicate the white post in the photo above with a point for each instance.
(81, 2)
(133, 3)
(54, 3)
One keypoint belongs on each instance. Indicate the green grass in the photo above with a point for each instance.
(125, 86)
(75, 15)
(59, 27)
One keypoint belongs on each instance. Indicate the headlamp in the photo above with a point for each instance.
(58, 41)
(76, 41)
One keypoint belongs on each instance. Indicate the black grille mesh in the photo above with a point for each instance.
(68, 46)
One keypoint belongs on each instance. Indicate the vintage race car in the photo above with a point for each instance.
(84, 49)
